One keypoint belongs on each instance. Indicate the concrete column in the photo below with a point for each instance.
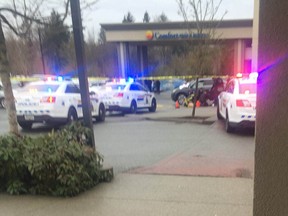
(140, 63)
(255, 36)
(142, 54)
(127, 62)
(123, 59)
(271, 153)
(145, 60)
(239, 56)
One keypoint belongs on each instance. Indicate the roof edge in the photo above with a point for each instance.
(177, 25)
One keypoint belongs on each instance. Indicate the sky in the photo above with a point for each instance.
(113, 11)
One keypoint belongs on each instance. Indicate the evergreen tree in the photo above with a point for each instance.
(162, 18)
(146, 18)
(55, 37)
(128, 18)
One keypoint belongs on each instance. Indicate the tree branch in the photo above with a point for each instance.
(16, 13)
(8, 24)
(66, 10)
(86, 5)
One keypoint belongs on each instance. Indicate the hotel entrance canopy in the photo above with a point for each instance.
(144, 35)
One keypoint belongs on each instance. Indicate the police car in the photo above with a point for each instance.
(237, 104)
(53, 102)
(128, 97)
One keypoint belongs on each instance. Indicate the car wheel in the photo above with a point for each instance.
(2, 102)
(25, 125)
(101, 113)
(228, 127)
(153, 105)
(72, 115)
(133, 107)
(181, 99)
(218, 112)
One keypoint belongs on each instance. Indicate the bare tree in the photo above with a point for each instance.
(19, 16)
(202, 16)
(6, 17)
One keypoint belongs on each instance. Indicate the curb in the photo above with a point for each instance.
(199, 120)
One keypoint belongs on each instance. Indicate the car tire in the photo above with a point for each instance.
(101, 113)
(25, 125)
(153, 105)
(72, 115)
(218, 112)
(181, 99)
(2, 102)
(133, 107)
(228, 127)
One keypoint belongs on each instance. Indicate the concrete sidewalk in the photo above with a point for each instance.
(143, 195)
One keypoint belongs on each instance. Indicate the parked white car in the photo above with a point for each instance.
(97, 89)
(237, 104)
(128, 97)
(53, 102)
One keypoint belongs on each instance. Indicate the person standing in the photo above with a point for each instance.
(157, 85)
(217, 88)
(148, 83)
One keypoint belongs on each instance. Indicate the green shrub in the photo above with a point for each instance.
(60, 163)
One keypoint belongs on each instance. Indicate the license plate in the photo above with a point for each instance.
(28, 117)
(27, 104)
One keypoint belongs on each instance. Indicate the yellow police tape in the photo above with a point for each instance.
(181, 77)
(30, 79)
(24, 79)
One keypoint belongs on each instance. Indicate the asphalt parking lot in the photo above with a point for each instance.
(157, 142)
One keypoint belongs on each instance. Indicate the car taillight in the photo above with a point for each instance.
(49, 99)
(243, 103)
(120, 94)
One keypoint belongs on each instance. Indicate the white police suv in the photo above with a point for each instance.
(128, 97)
(237, 104)
(53, 102)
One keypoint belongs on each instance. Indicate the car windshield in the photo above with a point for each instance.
(249, 88)
(41, 88)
